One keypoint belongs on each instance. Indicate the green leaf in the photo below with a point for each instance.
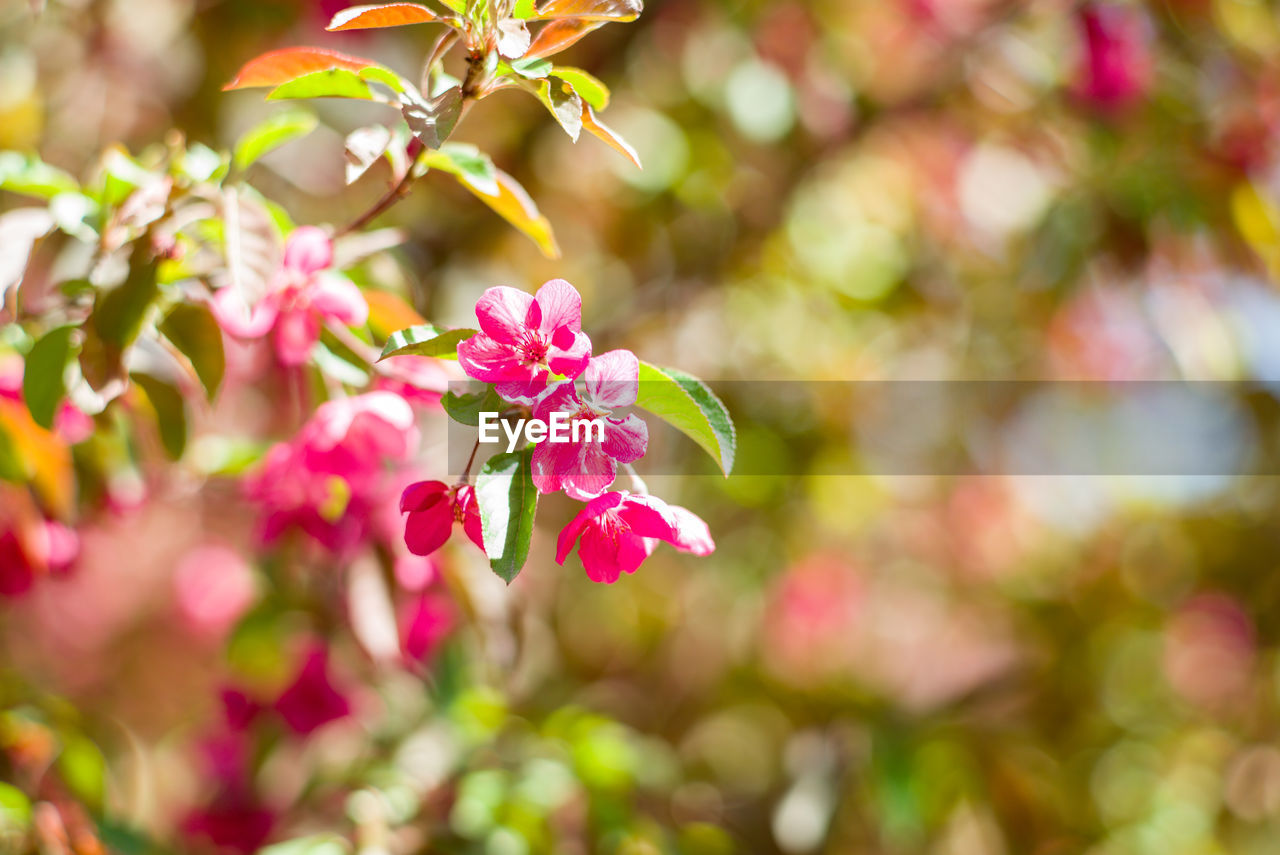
(15, 808)
(523, 9)
(195, 333)
(330, 83)
(433, 121)
(44, 377)
(563, 103)
(171, 412)
(117, 319)
(83, 769)
(508, 503)
(29, 175)
(459, 6)
(511, 201)
(588, 87)
(466, 409)
(277, 130)
(464, 159)
(531, 67)
(337, 367)
(687, 404)
(426, 340)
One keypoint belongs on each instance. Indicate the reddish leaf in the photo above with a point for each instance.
(382, 15)
(591, 10)
(608, 134)
(558, 35)
(281, 66)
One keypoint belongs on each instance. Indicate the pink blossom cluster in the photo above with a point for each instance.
(534, 352)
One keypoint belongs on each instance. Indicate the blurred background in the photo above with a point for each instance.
(880, 664)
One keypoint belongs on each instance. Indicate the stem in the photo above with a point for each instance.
(360, 348)
(395, 194)
(466, 472)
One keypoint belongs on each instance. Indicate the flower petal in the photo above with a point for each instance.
(649, 516)
(592, 474)
(337, 297)
(613, 379)
(235, 316)
(501, 312)
(569, 359)
(692, 534)
(593, 509)
(420, 494)
(296, 333)
(428, 530)
(627, 440)
(560, 306)
(308, 250)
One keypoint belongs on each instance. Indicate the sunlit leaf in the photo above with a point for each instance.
(425, 340)
(558, 35)
(364, 147)
(508, 503)
(433, 121)
(686, 403)
(389, 312)
(511, 202)
(337, 83)
(563, 103)
(281, 66)
(381, 15)
(40, 456)
(83, 768)
(466, 159)
(591, 10)
(588, 87)
(20, 229)
(338, 367)
(44, 374)
(608, 134)
(170, 409)
(277, 130)
(28, 175)
(194, 332)
(534, 68)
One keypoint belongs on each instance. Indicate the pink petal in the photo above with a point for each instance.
(471, 525)
(588, 514)
(427, 530)
(594, 473)
(234, 315)
(417, 496)
(559, 305)
(489, 361)
(608, 553)
(626, 441)
(551, 462)
(296, 333)
(501, 312)
(569, 359)
(613, 379)
(649, 516)
(562, 398)
(337, 297)
(692, 534)
(308, 250)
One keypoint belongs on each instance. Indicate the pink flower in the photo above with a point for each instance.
(616, 532)
(585, 469)
(214, 587)
(523, 340)
(332, 478)
(433, 507)
(1115, 69)
(312, 700)
(45, 546)
(426, 624)
(299, 298)
(235, 822)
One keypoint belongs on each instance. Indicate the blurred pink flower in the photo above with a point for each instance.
(300, 297)
(524, 339)
(331, 479)
(234, 821)
(1115, 68)
(312, 700)
(420, 380)
(433, 507)
(586, 469)
(214, 586)
(1210, 647)
(425, 623)
(41, 548)
(616, 532)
